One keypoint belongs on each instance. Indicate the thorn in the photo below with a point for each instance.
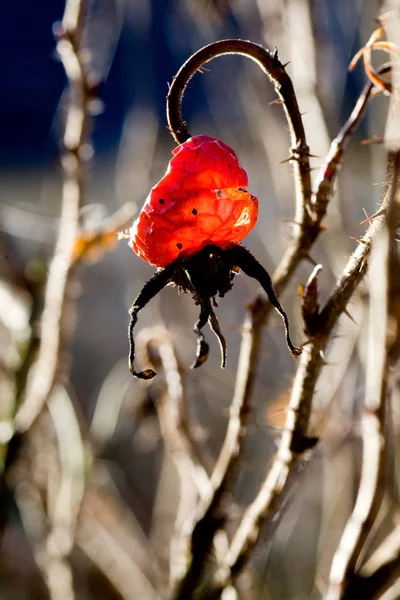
(357, 239)
(286, 64)
(202, 69)
(277, 101)
(377, 214)
(346, 312)
(310, 212)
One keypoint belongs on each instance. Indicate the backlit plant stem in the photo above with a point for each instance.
(52, 327)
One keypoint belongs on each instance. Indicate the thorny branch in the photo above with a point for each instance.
(52, 330)
(310, 210)
(231, 451)
(294, 442)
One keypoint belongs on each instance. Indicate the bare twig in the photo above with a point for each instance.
(48, 491)
(60, 271)
(206, 517)
(323, 185)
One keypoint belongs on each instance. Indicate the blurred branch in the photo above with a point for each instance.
(93, 242)
(108, 554)
(62, 514)
(49, 485)
(382, 326)
(172, 409)
(373, 473)
(211, 515)
(53, 326)
(171, 406)
(380, 571)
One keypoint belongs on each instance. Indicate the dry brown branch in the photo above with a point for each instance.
(52, 330)
(49, 489)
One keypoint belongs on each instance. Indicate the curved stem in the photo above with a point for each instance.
(249, 265)
(275, 71)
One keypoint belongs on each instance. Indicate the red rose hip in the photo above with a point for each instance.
(190, 227)
(200, 201)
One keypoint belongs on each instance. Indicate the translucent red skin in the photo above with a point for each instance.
(201, 200)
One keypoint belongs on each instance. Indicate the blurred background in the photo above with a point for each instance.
(122, 481)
